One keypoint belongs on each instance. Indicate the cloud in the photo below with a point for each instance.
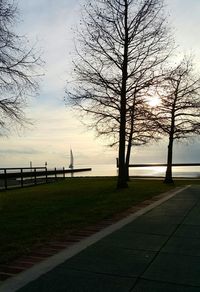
(184, 16)
(15, 151)
(56, 129)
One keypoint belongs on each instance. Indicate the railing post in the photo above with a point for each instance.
(5, 179)
(117, 162)
(63, 172)
(35, 176)
(22, 182)
(46, 174)
(55, 173)
(31, 170)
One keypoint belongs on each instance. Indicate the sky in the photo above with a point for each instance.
(55, 128)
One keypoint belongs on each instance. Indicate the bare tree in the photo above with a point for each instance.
(18, 65)
(178, 115)
(119, 43)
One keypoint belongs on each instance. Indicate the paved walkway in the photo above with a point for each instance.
(159, 251)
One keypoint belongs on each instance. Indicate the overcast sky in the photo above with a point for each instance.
(55, 129)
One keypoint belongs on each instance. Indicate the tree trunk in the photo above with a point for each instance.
(129, 146)
(128, 154)
(168, 176)
(127, 162)
(122, 183)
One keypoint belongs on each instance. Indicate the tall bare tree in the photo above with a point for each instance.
(178, 115)
(119, 42)
(18, 65)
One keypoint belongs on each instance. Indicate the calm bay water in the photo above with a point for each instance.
(111, 170)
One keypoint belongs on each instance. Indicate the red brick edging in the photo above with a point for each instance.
(25, 262)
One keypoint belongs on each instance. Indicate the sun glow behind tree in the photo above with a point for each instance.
(154, 101)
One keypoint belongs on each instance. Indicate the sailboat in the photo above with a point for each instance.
(71, 165)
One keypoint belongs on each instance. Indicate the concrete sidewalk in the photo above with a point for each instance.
(159, 251)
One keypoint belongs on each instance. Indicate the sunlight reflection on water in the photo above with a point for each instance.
(110, 170)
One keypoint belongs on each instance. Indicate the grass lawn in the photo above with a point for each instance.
(31, 216)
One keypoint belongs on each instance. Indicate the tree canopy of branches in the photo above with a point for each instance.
(121, 43)
(178, 115)
(18, 66)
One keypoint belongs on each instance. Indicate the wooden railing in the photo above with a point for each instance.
(158, 164)
(18, 177)
(163, 164)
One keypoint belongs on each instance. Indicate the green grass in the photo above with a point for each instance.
(31, 216)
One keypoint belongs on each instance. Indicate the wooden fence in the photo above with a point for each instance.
(141, 165)
(158, 164)
(163, 164)
(19, 177)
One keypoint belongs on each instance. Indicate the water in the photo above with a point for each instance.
(111, 170)
(154, 171)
